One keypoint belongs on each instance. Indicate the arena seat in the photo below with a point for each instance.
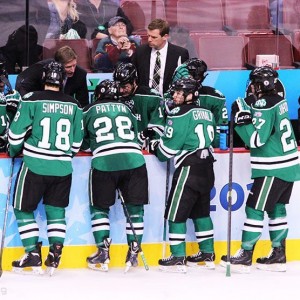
(246, 17)
(141, 12)
(80, 46)
(280, 45)
(205, 16)
(222, 52)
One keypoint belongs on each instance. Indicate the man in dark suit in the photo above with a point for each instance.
(75, 84)
(171, 56)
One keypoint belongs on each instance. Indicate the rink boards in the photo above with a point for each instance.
(79, 241)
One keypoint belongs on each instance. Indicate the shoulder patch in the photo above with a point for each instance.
(260, 103)
(27, 95)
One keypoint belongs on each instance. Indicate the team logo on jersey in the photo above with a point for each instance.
(260, 103)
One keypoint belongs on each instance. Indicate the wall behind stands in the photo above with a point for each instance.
(231, 83)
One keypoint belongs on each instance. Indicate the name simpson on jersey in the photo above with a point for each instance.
(54, 108)
(202, 114)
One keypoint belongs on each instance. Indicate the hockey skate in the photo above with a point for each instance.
(30, 263)
(241, 262)
(173, 264)
(53, 258)
(275, 261)
(99, 260)
(202, 260)
(132, 256)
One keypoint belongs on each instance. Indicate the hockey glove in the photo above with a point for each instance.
(3, 143)
(12, 102)
(153, 145)
(241, 112)
(147, 133)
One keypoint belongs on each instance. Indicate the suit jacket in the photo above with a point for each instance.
(141, 59)
(31, 80)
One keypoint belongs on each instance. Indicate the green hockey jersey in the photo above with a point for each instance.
(188, 129)
(111, 135)
(147, 105)
(48, 124)
(271, 139)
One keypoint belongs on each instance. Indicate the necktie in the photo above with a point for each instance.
(156, 72)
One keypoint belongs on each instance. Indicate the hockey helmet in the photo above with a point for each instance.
(263, 79)
(197, 68)
(54, 74)
(125, 73)
(188, 86)
(106, 90)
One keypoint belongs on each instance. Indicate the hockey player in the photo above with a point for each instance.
(55, 121)
(3, 123)
(265, 128)
(146, 103)
(209, 97)
(188, 135)
(117, 165)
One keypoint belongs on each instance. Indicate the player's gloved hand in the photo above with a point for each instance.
(153, 145)
(241, 112)
(147, 133)
(3, 143)
(12, 101)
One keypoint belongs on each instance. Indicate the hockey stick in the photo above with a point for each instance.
(228, 271)
(166, 200)
(6, 213)
(133, 231)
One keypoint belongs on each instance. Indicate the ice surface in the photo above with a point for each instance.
(153, 284)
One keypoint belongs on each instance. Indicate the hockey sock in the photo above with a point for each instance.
(136, 213)
(204, 231)
(253, 227)
(28, 229)
(177, 232)
(100, 224)
(56, 224)
(278, 226)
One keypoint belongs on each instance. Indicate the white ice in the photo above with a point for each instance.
(153, 284)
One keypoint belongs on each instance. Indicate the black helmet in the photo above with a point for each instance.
(106, 90)
(196, 68)
(54, 73)
(125, 73)
(187, 85)
(264, 79)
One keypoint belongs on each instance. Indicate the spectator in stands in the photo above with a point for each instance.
(15, 51)
(96, 15)
(64, 21)
(32, 79)
(170, 57)
(180, 36)
(116, 48)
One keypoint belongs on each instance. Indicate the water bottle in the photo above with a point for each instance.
(223, 137)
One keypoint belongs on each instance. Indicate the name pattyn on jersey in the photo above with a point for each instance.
(111, 134)
(48, 127)
(271, 139)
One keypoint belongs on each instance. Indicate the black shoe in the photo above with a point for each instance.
(132, 254)
(201, 259)
(53, 257)
(241, 261)
(99, 260)
(173, 264)
(32, 259)
(275, 261)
